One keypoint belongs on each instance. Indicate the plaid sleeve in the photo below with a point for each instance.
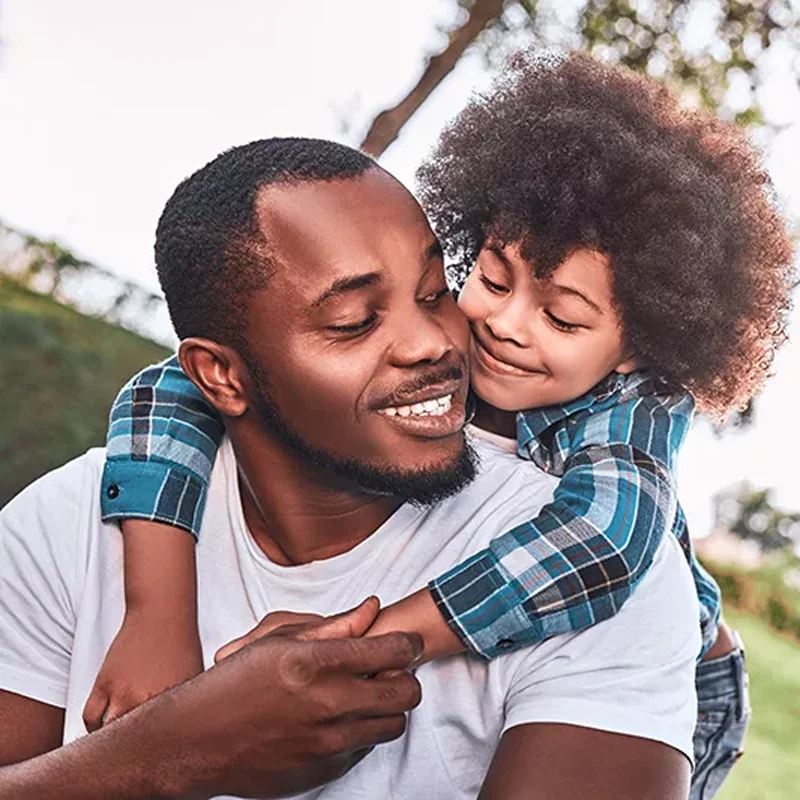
(574, 565)
(579, 561)
(162, 441)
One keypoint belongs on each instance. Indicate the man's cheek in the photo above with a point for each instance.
(457, 328)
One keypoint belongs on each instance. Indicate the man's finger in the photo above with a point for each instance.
(353, 623)
(271, 623)
(94, 710)
(114, 712)
(232, 647)
(383, 695)
(366, 656)
(368, 732)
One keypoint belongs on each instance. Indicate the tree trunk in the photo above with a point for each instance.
(387, 125)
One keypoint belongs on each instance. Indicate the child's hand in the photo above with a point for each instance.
(148, 656)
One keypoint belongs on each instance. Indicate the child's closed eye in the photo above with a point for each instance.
(561, 324)
(494, 288)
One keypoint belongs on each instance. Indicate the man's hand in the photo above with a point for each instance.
(341, 626)
(305, 690)
(293, 710)
(415, 613)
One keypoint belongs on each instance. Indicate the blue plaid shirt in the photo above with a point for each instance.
(573, 566)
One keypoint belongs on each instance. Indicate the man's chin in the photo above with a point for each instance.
(419, 485)
(428, 484)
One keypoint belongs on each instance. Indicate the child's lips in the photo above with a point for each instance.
(494, 364)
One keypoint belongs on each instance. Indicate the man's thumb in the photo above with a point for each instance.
(353, 623)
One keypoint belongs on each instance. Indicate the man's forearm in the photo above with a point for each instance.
(133, 758)
(292, 711)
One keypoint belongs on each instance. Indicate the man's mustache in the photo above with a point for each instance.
(408, 391)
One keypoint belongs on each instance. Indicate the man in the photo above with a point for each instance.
(309, 293)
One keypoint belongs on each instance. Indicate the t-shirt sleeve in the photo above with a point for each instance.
(40, 541)
(631, 674)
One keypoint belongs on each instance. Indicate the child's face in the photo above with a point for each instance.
(541, 342)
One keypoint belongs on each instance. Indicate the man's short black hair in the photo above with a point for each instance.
(573, 153)
(210, 253)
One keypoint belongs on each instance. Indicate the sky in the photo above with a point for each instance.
(105, 107)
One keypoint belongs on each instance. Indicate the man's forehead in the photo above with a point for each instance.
(316, 229)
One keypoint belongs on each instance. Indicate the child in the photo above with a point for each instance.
(628, 266)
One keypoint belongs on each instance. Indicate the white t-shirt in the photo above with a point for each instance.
(61, 604)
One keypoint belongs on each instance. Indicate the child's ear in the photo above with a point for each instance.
(218, 372)
(627, 366)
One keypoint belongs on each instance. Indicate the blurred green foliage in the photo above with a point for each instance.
(765, 592)
(60, 370)
(651, 36)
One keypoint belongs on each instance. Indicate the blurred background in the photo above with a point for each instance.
(105, 107)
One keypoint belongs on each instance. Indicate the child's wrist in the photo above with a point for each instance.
(418, 613)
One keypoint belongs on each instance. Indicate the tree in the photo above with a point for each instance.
(48, 267)
(749, 514)
(647, 35)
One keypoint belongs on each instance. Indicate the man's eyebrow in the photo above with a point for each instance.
(351, 283)
(576, 293)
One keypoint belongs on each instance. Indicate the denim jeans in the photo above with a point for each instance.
(723, 712)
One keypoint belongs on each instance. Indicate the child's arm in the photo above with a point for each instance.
(576, 563)
(161, 447)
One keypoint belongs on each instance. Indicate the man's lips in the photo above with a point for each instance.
(434, 412)
(497, 365)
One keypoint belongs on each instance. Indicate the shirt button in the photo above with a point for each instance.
(112, 492)
(504, 644)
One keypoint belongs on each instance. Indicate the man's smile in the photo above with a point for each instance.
(432, 413)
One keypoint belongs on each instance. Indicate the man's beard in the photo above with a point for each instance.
(419, 487)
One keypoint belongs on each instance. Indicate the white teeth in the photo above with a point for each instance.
(428, 408)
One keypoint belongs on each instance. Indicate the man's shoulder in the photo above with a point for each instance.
(506, 492)
(62, 497)
(507, 479)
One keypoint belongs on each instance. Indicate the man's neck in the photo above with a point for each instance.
(296, 512)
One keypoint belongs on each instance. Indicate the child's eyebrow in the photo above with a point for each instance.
(572, 291)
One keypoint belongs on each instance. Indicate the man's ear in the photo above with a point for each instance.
(218, 372)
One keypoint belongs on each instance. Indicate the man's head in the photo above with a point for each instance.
(310, 294)
(575, 158)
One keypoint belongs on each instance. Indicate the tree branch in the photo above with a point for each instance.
(387, 125)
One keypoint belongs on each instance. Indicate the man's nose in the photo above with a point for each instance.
(420, 339)
(509, 323)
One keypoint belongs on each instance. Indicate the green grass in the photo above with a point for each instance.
(770, 767)
(59, 373)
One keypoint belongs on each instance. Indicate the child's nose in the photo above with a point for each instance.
(508, 324)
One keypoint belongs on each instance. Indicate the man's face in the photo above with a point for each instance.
(357, 349)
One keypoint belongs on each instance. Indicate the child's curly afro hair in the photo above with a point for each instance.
(570, 153)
